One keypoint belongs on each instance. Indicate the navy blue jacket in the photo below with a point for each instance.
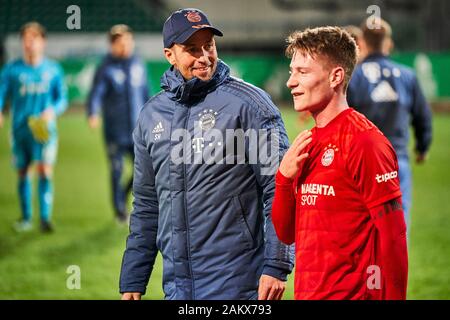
(120, 89)
(211, 222)
(389, 95)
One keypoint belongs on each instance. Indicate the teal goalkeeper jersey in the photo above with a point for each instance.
(32, 89)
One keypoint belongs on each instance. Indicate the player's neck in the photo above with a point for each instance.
(334, 107)
(33, 59)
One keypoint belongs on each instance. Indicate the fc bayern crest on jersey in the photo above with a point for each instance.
(193, 16)
(207, 119)
(328, 155)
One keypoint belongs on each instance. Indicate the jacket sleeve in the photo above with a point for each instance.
(141, 249)
(59, 93)
(279, 258)
(97, 93)
(421, 119)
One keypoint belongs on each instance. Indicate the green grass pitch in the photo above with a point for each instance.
(33, 265)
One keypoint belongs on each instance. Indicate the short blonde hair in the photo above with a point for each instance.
(333, 43)
(35, 26)
(118, 31)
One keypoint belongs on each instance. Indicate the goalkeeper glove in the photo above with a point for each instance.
(39, 129)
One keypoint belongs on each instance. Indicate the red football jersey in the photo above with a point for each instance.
(351, 168)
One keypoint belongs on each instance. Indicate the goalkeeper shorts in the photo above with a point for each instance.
(26, 151)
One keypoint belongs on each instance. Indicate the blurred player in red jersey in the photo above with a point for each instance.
(337, 191)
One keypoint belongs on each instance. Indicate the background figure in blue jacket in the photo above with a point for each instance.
(38, 95)
(120, 90)
(201, 199)
(389, 95)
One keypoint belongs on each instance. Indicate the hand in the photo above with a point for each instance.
(131, 296)
(421, 157)
(48, 115)
(292, 159)
(94, 121)
(270, 288)
(1, 120)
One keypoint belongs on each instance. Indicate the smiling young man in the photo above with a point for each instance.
(337, 192)
(210, 220)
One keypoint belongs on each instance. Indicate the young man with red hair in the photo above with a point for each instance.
(337, 191)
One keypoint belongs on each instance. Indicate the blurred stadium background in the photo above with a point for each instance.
(33, 266)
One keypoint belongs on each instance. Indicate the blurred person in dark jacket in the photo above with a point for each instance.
(389, 95)
(119, 91)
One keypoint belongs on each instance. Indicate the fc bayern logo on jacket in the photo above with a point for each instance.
(207, 119)
(328, 155)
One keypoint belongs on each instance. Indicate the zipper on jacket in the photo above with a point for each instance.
(186, 216)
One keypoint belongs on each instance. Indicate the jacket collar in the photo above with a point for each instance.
(111, 58)
(375, 56)
(195, 89)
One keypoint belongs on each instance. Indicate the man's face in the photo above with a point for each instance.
(309, 82)
(197, 57)
(33, 44)
(123, 46)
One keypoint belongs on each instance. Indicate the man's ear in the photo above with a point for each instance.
(170, 55)
(337, 77)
